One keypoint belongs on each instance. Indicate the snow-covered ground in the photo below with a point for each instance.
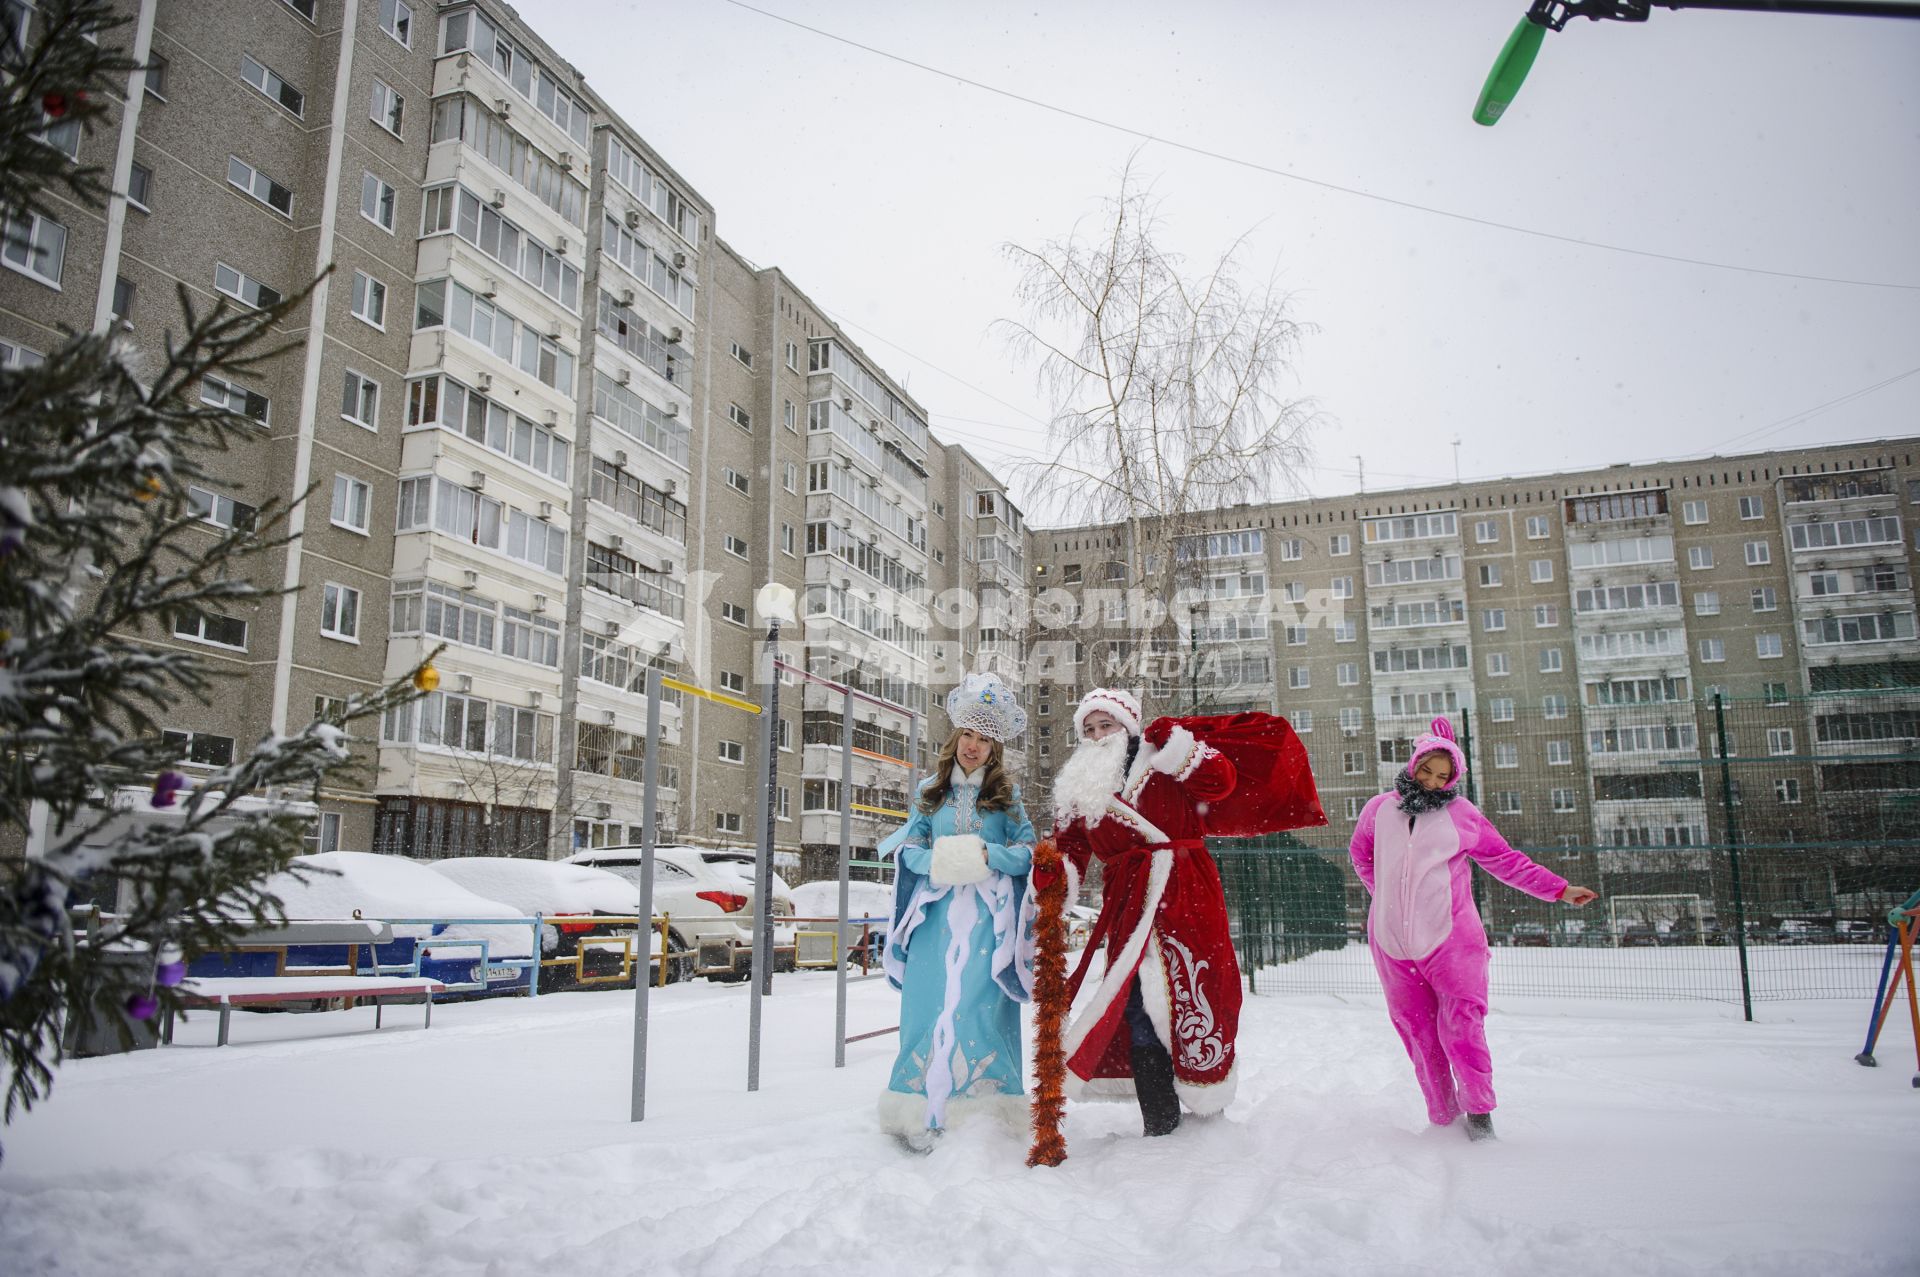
(1636, 1136)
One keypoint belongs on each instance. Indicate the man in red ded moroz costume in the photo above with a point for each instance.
(1160, 1026)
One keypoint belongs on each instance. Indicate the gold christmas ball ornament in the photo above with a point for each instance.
(150, 487)
(426, 678)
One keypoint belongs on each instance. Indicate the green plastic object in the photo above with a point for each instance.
(1509, 72)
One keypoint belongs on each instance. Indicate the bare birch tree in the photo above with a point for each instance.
(1166, 386)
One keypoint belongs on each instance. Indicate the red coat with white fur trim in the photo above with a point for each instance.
(1163, 917)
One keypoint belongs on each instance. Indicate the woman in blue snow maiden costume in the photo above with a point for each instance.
(961, 947)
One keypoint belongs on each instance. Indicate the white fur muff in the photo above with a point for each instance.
(957, 859)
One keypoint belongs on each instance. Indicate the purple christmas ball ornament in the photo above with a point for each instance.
(142, 1006)
(169, 974)
(166, 788)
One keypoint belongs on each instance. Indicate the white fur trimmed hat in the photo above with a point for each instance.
(982, 703)
(1123, 705)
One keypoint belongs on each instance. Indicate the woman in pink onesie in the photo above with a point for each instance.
(1411, 849)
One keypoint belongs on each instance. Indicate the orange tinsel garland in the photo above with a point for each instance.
(1050, 1008)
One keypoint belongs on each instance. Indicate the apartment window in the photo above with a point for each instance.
(739, 416)
(732, 751)
(1486, 531)
(273, 85)
(1292, 591)
(733, 680)
(1500, 709)
(1506, 754)
(305, 8)
(1342, 587)
(1559, 753)
(787, 539)
(396, 19)
(1302, 720)
(1497, 666)
(323, 833)
(1493, 619)
(156, 80)
(1554, 706)
(1536, 527)
(123, 299)
(783, 731)
(1768, 646)
(1540, 571)
(1296, 635)
(1706, 602)
(1346, 631)
(737, 481)
(221, 511)
(1299, 676)
(1699, 557)
(369, 300)
(242, 287)
(1350, 719)
(205, 627)
(1693, 512)
(377, 201)
(1776, 693)
(1562, 800)
(249, 180)
(1765, 600)
(251, 404)
(1489, 574)
(1546, 616)
(1779, 740)
(735, 612)
(1713, 650)
(329, 709)
(1290, 550)
(340, 612)
(1340, 543)
(386, 107)
(1786, 789)
(790, 476)
(201, 749)
(735, 546)
(1550, 660)
(726, 822)
(1353, 763)
(1353, 807)
(352, 501)
(35, 246)
(360, 400)
(1347, 674)
(741, 353)
(140, 187)
(793, 355)
(789, 416)
(1758, 553)
(1753, 507)
(1507, 802)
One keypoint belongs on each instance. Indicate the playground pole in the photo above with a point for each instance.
(649, 797)
(1733, 855)
(846, 871)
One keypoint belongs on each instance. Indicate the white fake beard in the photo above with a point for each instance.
(1092, 774)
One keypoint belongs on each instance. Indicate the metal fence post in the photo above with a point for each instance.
(649, 797)
(762, 972)
(1733, 855)
(846, 871)
(1466, 751)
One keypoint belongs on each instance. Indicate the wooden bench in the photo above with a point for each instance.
(227, 992)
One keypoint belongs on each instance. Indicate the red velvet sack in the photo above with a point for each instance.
(1274, 788)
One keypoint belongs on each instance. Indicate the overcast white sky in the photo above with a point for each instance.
(1778, 144)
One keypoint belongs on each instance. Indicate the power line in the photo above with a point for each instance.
(1258, 167)
(1761, 432)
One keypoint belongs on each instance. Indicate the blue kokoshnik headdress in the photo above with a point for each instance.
(984, 704)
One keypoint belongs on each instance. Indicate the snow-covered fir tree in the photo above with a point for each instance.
(101, 548)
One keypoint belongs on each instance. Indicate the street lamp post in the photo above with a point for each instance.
(774, 604)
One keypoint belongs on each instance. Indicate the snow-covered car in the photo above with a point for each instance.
(368, 885)
(707, 895)
(576, 892)
(868, 900)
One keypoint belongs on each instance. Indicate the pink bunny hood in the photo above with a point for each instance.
(1439, 738)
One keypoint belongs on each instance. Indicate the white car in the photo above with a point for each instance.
(707, 894)
(557, 890)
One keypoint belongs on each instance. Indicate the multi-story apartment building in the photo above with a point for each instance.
(1576, 626)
